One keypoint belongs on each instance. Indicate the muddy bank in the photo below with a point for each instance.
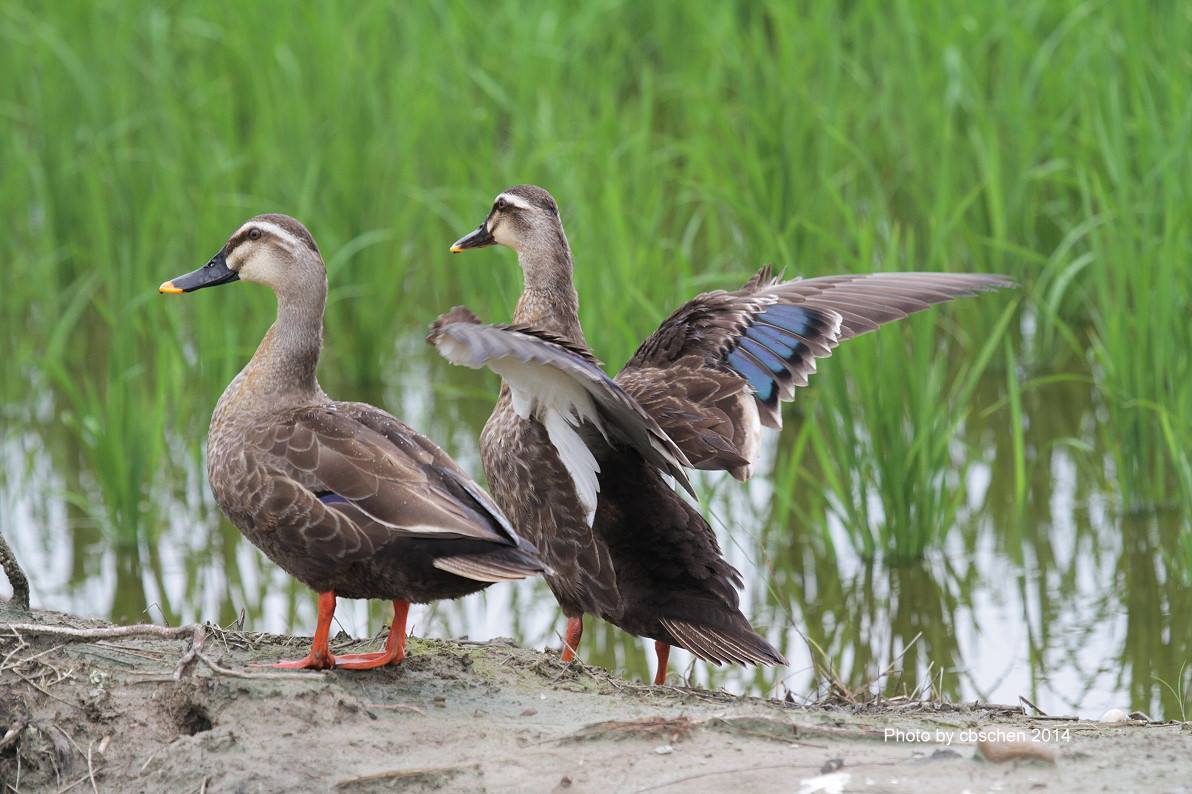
(156, 714)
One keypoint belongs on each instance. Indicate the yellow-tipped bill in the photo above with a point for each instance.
(212, 274)
(477, 239)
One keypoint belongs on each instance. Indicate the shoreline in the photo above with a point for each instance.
(181, 709)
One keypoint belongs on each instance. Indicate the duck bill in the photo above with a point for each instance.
(212, 274)
(477, 239)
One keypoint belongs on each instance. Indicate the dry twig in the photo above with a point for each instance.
(395, 707)
(196, 653)
(91, 768)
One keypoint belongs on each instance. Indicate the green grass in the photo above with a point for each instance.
(687, 143)
(725, 136)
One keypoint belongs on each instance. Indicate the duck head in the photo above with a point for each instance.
(271, 249)
(524, 218)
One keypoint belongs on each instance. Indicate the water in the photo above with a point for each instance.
(1068, 603)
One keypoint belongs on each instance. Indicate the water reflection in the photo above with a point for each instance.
(1047, 595)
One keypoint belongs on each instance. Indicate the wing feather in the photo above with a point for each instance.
(759, 344)
(565, 388)
(385, 475)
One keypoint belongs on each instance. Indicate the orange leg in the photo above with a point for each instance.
(395, 645)
(663, 651)
(320, 657)
(575, 630)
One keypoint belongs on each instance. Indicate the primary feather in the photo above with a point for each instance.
(699, 371)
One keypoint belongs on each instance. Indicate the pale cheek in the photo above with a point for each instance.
(243, 268)
(255, 269)
(501, 235)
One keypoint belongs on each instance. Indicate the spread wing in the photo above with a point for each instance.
(719, 366)
(565, 389)
(355, 478)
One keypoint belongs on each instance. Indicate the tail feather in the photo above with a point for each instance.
(721, 646)
(505, 565)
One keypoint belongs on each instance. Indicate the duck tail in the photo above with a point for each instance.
(723, 645)
(501, 565)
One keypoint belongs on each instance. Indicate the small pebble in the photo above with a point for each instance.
(665, 749)
(1115, 715)
(1001, 752)
(529, 712)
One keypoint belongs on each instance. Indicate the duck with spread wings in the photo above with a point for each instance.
(579, 460)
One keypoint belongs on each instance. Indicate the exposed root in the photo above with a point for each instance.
(660, 728)
(196, 653)
(396, 707)
(102, 633)
(16, 576)
(434, 777)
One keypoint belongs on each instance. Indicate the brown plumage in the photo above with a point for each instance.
(703, 349)
(341, 495)
(576, 459)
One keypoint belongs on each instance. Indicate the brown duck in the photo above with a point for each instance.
(577, 459)
(342, 496)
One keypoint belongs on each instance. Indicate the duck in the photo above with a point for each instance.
(581, 462)
(342, 496)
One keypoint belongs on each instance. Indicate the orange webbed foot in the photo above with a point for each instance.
(312, 661)
(395, 645)
(370, 661)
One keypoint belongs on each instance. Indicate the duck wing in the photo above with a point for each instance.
(719, 366)
(352, 478)
(566, 390)
(433, 459)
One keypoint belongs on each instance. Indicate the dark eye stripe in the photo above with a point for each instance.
(245, 235)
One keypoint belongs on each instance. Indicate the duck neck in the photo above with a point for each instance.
(549, 301)
(283, 368)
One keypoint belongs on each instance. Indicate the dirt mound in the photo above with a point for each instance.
(184, 711)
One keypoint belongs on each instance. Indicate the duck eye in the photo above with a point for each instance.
(254, 234)
(502, 204)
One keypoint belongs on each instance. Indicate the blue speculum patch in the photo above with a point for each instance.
(331, 498)
(794, 318)
(769, 359)
(761, 381)
(764, 350)
(781, 343)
